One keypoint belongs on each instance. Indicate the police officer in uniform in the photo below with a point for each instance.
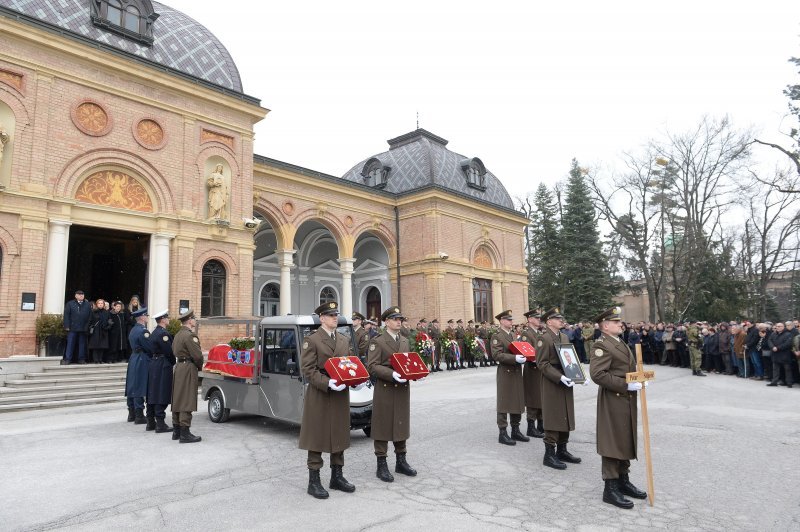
(609, 361)
(138, 365)
(510, 390)
(532, 377)
(558, 408)
(325, 427)
(188, 361)
(391, 403)
(362, 338)
(159, 381)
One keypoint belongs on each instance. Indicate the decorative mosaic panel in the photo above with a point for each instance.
(112, 188)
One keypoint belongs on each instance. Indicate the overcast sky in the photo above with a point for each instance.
(525, 86)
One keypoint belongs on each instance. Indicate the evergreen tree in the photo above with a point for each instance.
(544, 264)
(587, 284)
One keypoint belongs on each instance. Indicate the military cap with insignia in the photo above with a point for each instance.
(161, 314)
(612, 314)
(358, 316)
(451, 321)
(141, 312)
(533, 313)
(505, 315)
(189, 314)
(435, 320)
(329, 308)
(554, 312)
(459, 320)
(391, 313)
(423, 320)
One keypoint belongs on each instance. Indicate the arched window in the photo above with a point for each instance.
(114, 12)
(212, 296)
(131, 21)
(270, 299)
(373, 302)
(482, 299)
(327, 295)
(131, 18)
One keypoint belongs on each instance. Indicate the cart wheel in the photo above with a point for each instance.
(216, 408)
(367, 430)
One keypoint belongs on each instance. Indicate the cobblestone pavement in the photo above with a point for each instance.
(725, 458)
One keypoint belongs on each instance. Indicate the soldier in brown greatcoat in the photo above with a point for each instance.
(610, 360)
(435, 333)
(325, 427)
(510, 390)
(460, 335)
(188, 361)
(558, 409)
(362, 338)
(391, 402)
(532, 377)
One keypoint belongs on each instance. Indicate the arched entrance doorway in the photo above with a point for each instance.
(270, 300)
(371, 275)
(373, 302)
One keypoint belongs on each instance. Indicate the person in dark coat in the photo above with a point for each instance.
(159, 376)
(188, 362)
(510, 387)
(77, 314)
(117, 334)
(780, 347)
(136, 378)
(98, 332)
(616, 410)
(325, 427)
(391, 403)
(532, 377)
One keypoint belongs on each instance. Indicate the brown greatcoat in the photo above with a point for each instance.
(325, 427)
(189, 356)
(531, 376)
(391, 400)
(558, 407)
(510, 390)
(609, 361)
(362, 341)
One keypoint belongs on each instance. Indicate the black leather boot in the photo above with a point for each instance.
(505, 439)
(533, 431)
(139, 417)
(565, 456)
(161, 426)
(188, 437)
(315, 488)
(338, 482)
(629, 489)
(612, 495)
(176, 432)
(383, 470)
(151, 423)
(517, 435)
(550, 459)
(540, 426)
(131, 414)
(698, 373)
(401, 466)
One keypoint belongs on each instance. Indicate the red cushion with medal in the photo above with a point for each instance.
(346, 370)
(409, 365)
(525, 349)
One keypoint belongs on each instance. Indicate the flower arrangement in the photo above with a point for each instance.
(423, 344)
(242, 343)
(471, 345)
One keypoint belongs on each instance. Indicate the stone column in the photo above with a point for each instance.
(286, 262)
(56, 267)
(158, 274)
(346, 304)
(469, 299)
(497, 298)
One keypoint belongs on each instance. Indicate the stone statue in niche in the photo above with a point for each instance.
(217, 194)
(4, 138)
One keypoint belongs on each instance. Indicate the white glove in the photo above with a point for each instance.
(336, 387)
(634, 386)
(359, 386)
(396, 376)
(520, 359)
(567, 382)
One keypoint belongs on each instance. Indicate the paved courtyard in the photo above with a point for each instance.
(725, 458)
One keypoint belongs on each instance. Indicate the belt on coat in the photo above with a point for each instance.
(183, 360)
(624, 394)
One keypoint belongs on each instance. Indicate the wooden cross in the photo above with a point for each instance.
(640, 375)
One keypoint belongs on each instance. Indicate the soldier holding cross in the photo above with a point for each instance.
(610, 361)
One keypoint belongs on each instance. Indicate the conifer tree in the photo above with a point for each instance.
(544, 263)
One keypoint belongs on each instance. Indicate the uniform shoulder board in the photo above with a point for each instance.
(599, 339)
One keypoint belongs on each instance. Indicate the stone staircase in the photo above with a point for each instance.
(57, 386)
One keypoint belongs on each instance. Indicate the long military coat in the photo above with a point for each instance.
(531, 376)
(391, 400)
(139, 362)
(159, 378)
(325, 426)
(510, 389)
(609, 361)
(189, 355)
(558, 408)
(362, 341)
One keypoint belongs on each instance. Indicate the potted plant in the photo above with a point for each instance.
(50, 332)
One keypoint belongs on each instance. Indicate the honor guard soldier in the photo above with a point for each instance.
(558, 407)
(610, 360)
(362, 338)
(435, 333)
(460, 334)
(391, 403)
(325, 427)
(405, 330)
(510, 391)
(188, 361)
(532, 377)
(138, 365)
(159, 381)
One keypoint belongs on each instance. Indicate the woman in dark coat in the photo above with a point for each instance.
(117, 334)
(98, 332)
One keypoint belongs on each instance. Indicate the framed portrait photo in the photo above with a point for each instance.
(570, 363)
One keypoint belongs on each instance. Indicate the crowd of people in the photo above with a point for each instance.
(98, 328)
